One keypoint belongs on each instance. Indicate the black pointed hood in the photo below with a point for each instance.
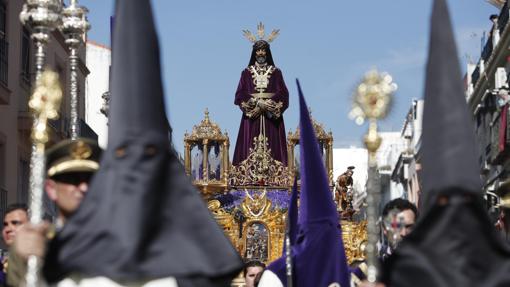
(141, 219)
(454, 242)
(449, 154)
(137, 107)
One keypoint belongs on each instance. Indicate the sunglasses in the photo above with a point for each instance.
(74, 178)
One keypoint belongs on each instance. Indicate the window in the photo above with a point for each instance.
(3, 18)
(3, 164)
(25, 57)
(4, 45)
(23, 177)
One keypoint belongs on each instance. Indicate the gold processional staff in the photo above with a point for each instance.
(44, 104)
(371, 101)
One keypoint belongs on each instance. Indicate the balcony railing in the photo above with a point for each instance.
(475, 75)
(4, 61)
(488, 48)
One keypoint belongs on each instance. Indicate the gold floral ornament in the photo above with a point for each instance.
(81, 150)
(44, 103)
(372, 98)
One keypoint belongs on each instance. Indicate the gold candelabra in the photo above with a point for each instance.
(372, 100)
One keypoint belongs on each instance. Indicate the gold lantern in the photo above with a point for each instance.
(206, 156)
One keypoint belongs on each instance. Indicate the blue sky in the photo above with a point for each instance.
(327, 44)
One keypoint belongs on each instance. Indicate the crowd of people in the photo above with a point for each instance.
(68, 186)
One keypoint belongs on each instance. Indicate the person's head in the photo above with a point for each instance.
(350, 171)
(261, 53)
(15, 216)
(260, 56)
(71, 165)
(251, 269)
(493, 18)
(406, 211)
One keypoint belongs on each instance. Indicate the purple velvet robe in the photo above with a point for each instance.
(250, 128)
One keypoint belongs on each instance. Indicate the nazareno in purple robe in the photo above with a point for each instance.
(250, 128)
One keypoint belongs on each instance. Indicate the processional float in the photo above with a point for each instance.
(250, 199)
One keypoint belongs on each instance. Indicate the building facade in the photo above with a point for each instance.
(487, 94)
(97, 86)
(387, 156)
(17, 75)
(407, 169)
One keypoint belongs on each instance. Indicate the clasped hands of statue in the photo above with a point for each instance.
(254, 107)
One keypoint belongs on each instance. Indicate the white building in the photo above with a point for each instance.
(96, 84)
(406, 171)
(387, 156)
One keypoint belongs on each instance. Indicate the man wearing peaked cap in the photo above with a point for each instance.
(142, 222)
(454, 242)
(70, 166)
(69, 156)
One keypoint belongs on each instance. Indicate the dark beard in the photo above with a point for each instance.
(261, 60)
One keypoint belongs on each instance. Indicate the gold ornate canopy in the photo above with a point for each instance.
(206, 156)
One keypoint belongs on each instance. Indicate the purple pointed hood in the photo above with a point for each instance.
(318, 252)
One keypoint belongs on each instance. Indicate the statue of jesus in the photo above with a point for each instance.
(262, 96)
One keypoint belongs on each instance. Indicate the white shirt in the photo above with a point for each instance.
(269, 279)
(106, 282)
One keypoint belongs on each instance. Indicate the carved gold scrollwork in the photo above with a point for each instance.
(259, 168)
(354, 235)
(205, 130)
(257, 210)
